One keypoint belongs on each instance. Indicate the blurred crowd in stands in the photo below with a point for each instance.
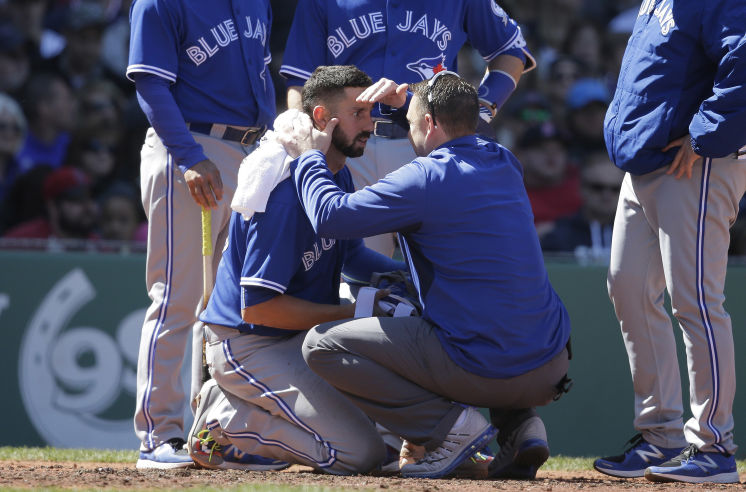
(71, 128)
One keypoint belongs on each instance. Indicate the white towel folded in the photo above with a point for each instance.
(264, 168)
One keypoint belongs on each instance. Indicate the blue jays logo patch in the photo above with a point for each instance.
(427, 67)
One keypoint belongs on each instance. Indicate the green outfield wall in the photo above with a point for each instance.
(71, 326)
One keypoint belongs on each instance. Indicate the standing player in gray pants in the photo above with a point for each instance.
(201, 79)
(676, 125)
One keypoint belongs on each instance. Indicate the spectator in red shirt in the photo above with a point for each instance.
(552, 180)
(71, 213)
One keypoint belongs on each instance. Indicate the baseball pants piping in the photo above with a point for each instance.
(278, 408)
(173, 279)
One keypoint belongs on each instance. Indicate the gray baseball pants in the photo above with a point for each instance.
(672, 234)
(276, 407)
(397, 372)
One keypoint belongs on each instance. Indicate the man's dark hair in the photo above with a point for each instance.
(327, 83)
(451, 101)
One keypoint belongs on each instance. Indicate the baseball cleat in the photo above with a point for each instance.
(523, 452)
(469, 434)
(209, 454)
(169, 455)
(639, 456)
(695, 466)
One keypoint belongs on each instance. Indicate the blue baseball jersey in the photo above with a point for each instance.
(277, 252)
(467, 232)
(403, 40)
(209, 51)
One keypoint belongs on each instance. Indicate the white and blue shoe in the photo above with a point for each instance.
(695, 466)
(169, 455)
(639, 456)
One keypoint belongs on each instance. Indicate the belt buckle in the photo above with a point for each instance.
(251, 135)
(381, 124)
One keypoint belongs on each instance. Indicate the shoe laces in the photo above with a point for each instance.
(480, 457)
(176, 443)
(633, 443)
(688, 453)
(206, 441)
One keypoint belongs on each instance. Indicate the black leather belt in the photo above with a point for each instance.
(245, 136)
(389, 129)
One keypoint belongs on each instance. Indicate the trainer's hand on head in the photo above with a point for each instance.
(385, 91)
(684, 159)
(205, 185)
(304, 137)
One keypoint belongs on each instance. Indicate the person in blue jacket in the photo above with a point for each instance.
(493, 332)
(675, 125)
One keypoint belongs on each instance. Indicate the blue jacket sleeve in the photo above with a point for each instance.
(717, 129)
(394, 204)
(164, 116)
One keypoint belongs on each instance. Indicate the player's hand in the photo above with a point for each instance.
(685, 157)
(304, 137)
(205, 185)
(385, 91)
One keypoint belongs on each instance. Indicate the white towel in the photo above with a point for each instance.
(264, 168)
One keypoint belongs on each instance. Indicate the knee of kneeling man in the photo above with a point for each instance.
(314, 346)
(310, 346)
(365, 458)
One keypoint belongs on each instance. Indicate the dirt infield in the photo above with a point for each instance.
(44, 474)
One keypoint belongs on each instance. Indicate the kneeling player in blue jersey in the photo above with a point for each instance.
(493, 331)
(277, 279)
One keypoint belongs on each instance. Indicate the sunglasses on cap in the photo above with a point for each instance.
(431, 85)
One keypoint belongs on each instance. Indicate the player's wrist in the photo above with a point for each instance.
(494, 90)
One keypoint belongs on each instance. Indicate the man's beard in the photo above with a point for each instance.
(339, 141)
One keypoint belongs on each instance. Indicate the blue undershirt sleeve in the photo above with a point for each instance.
(159, 106)
(361, 262)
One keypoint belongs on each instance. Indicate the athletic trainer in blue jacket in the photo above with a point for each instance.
(675, 125)
(493, 331)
